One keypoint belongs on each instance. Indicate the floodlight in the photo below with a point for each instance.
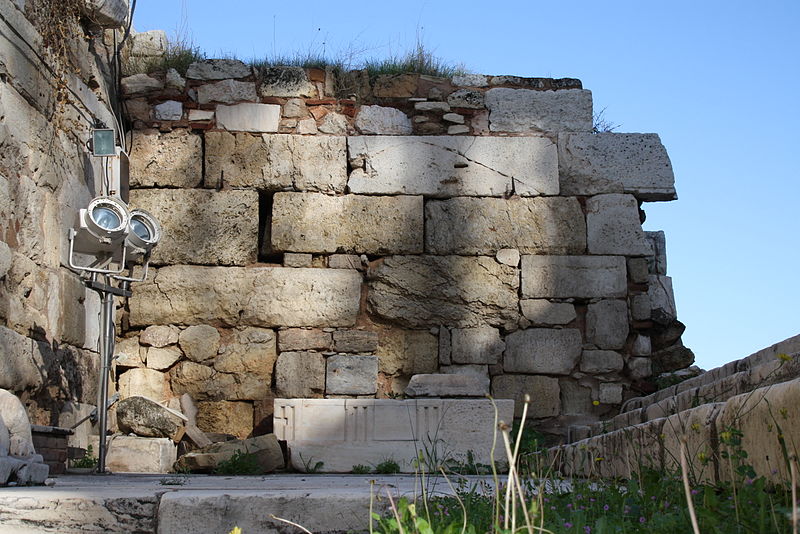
(103, 142)
(145, 233)
(102, 225)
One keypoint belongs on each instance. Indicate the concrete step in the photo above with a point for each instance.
(149, 504)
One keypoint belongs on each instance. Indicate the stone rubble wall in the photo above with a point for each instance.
(331, 235)
(49, 325)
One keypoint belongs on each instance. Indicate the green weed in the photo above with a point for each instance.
(241, 463)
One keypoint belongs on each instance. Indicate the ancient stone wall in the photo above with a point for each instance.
(55, 84)
(331, 235)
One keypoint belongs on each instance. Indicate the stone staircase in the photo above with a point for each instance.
(757, 395)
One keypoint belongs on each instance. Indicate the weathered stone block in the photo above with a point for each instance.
(128, 353)
(144, 383)
(601, 361)
(526, 110)
(355, 341)
(351, 375)
(218, 69)
(345, 432)
(131, 454)
(575, 399)
(256, 118)
(200, 343)
(162, 359)
(382, 120)
(573, 276)
(641, 346)
(662, 299)
(159, 336)
(407, 352)
(481, 345)
(303, 339)
(261, 296)
(286, 82)
(171, 110)
(544, 312)
(313, 222)
(446, 385)
(613, 227)
(542, 351)
(466, 98)
(227, 92)
(552, 225)
(657, 260)
(640, 307)
(276, 162)
(607, 324)
(639, 368)
(508, 256)
(297, 260)
(202, 382)
(345, 261)
(418, 291)
(139, 84)
(225, 417)
(148, 419)
(444, 166)
(201, 226)
(544, 393)
(172, 159)
(615, 163)
(481, 372)
(300, 374)
(610, 393)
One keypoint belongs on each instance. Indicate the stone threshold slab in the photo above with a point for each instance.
(335, 435)
(142, 504)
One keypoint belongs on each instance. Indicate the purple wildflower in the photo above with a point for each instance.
(605, 507)
(641, 519)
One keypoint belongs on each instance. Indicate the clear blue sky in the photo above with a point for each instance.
(717, 80)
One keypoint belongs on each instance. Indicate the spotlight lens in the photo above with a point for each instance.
(140, 228)
(106, 218)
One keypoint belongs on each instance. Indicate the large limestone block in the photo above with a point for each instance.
(345, 432)
(446, 385)
(544, 393)
(552, 225)
(147, 418)
(300, 374)
(480, 345)
(227, 92)
(662, 299)
(444, 166)
(526, 110)
(225, 417)
(132, 454)
(145, 383)
(355, 341)
(107, 13)
(607, 323)
(314, 222)
(407, 352)
(542, 351)
(248, 117)
(16, 426)
(200, 343)
(260, 296)
(613, 226)
(20, 368)
(351, 375)
(419, 291)
(276, 162)
(633, 163)
(286, 82)
(201, 226)
(697, 427)
(544, 312)
(766, 417)
(162, 359)
(172, 159)
(203, 382)
(305, 339)
(573, 276)
(218, 69)
(601, 361)
(382, 120)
